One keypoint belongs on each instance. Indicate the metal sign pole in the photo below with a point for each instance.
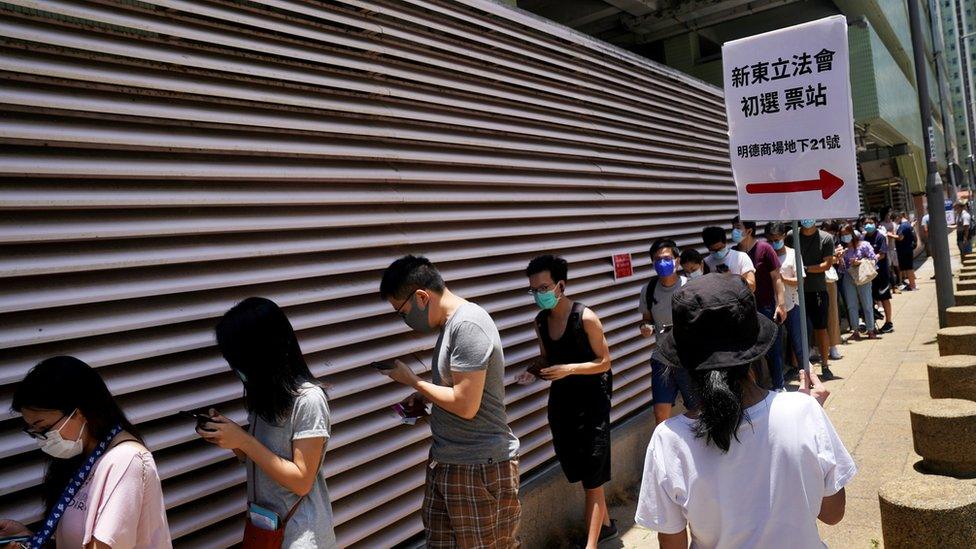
(805, 352)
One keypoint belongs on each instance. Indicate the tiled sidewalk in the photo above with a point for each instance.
(876, 383)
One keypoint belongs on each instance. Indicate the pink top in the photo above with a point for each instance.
(121, 503)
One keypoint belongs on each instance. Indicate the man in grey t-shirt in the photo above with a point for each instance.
(471, 497)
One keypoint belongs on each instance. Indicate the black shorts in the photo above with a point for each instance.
(579, 417)
(881, 285)
(906, 260)
(816, 303)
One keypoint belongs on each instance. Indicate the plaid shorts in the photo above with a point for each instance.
(472, 506)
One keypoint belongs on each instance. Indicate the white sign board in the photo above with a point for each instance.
(791, 123)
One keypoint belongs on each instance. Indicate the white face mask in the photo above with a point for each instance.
(695, 274)
(57, 447)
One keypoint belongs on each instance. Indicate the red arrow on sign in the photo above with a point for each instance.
(827, 184)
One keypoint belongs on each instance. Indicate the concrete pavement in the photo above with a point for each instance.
(876, 384)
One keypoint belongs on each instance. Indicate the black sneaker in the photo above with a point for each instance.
(608, 532)
(887, 328)
(826, 374)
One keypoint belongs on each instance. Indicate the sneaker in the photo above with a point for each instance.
(826, 374)
(814, 355)
(835, 354)
(873, 335)
(856, 336)
(608, 532)
(862, 327)
(887, 328)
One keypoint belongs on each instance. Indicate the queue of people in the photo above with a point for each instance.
(719, 321)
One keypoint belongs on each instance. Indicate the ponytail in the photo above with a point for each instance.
(720, 404)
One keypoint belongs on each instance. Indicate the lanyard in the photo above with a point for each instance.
(54, 517)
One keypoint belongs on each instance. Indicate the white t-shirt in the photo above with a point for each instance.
(965, 219)
(737, 262)
(925, 220)
(765, 490)
(787, 268)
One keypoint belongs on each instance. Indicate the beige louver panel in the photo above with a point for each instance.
(162, 160)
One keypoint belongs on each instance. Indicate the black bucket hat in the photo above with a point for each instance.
(716, 325)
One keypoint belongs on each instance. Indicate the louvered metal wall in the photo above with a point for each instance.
(163, 159)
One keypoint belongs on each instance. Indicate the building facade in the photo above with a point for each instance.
(959, 26)
(688, 35)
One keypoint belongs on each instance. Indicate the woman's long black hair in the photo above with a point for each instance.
(720, 403)
(66, 384)
(258, 341)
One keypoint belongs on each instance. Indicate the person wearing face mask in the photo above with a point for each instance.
(723, 259)
(905, 242)
(856, 252)
(692, 263)
(816, 249)
(289, 425)
(102, 489)
(770, 291)
(655, 309)
(881, 285)
(576, 357)
(776, 236)
(471, 497)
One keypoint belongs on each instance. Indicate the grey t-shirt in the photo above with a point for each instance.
(661, 305)
(311, 525)
(813, 248)
(470, 342)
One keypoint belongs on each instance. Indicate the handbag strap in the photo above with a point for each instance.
(250, 485)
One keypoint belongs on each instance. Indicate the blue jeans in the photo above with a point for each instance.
(774, 357)
(793, 327)
(665, 385)
(854, 294)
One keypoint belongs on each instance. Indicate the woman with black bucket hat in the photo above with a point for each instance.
(751, 467)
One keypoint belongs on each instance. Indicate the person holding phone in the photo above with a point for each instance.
(577, 362)
(471, 496)
(101, 489)
(654, 306)
(751, 467)
(290, 424)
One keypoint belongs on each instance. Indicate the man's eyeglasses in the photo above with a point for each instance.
(541, 289)
(404, 304)
(42, 435)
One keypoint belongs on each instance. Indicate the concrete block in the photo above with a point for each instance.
(957, 340)
(966, 298)
(944, 432)
(928, 511)
(961, 315)
(953, 376)
(966, 285)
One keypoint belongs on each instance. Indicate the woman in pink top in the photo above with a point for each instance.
(101, 489)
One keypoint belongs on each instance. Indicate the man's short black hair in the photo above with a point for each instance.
(410, 273)
(776, 228)
(751, 225)
(664, 243)
(557, 267)
(691, 255)
(713, 235)
(873, 218)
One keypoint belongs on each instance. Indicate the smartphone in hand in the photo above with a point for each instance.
(201, 419)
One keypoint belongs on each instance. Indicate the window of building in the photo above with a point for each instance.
(708, 50)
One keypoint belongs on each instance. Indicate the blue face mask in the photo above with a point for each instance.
(869, 228)
(846, 238)
(664, 266)
(777, 244)
(808, 223)
(720, 254)
(737, 236)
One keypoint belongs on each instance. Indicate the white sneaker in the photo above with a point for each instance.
(835, 354)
